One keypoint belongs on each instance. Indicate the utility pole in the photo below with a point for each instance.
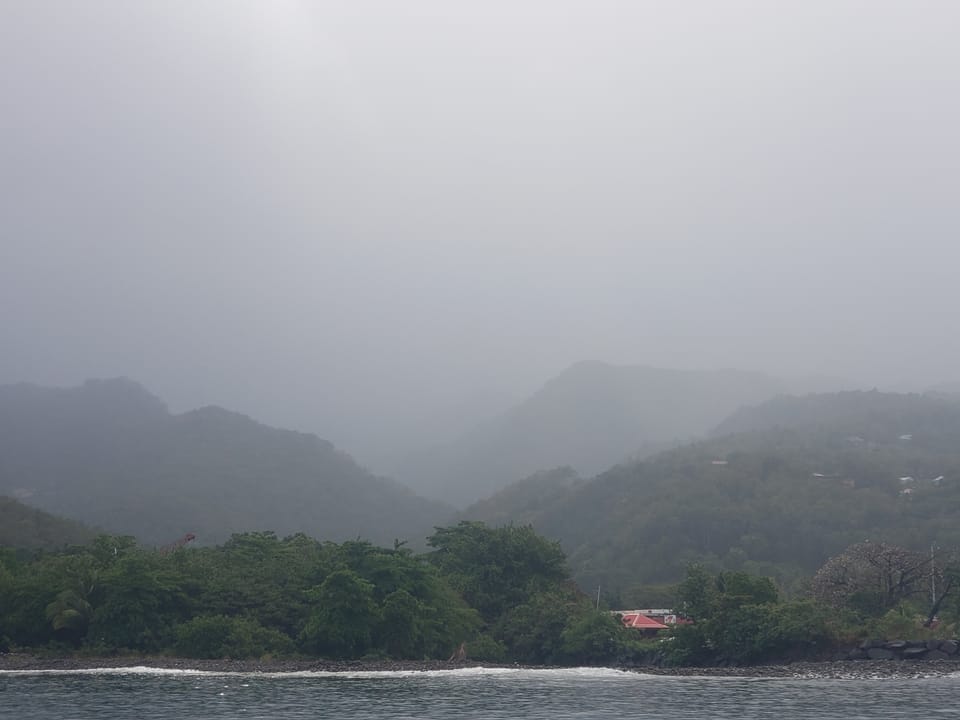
(933, 577)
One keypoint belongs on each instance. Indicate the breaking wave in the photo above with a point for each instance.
(583, 673)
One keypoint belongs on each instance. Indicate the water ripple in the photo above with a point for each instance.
(501, 694)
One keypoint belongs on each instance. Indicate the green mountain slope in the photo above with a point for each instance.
(26, 527)
(110, 454)
(589, 417)
(523, 502)
(775, 499)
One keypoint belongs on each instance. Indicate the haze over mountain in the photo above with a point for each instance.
(927, 420)
(366, 220)
(946, 388)
(108, 453)
(591, 416)
(26, 527)
(797, 481)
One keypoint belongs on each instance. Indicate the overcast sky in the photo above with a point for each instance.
(349, 217)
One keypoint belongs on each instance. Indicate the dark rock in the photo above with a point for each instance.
(878, 653)
(914, 653)
(933, 644)
(858, 654)
(871, 643)
(917, 643)
(937, 655)
(950, 647)
(895, 644)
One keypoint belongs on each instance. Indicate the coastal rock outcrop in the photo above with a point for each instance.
(906, 650)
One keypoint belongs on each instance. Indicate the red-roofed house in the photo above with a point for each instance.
(641, 622)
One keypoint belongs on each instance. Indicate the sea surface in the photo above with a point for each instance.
(148, 693)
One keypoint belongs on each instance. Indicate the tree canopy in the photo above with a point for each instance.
(504, 592)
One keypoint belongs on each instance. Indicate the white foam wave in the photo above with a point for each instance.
(132, 670)
(466, 674)
(504, 672)
(584, 673)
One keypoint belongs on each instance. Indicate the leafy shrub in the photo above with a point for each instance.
(688, 645)
(343, 620)
(594, 638)
(484, 647)
(740, 620)
(901, 622)
(220, 636)
(532, 631)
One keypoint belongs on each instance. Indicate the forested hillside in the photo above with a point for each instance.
(109, 454)
(522, 502)
(776, 501)
(589, 417)
(26, 527)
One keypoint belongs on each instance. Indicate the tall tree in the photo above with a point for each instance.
(497, 569)
(872, 577)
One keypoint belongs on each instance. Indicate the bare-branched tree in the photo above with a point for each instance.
(873, 577)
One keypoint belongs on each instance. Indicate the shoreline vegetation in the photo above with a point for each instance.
(505, 593)
(839, 669)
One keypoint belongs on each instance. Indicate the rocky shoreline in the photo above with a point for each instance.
(836, 670)
(842, 669)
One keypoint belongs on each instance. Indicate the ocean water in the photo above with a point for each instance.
(145, 694)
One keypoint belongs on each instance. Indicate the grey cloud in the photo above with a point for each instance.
(353, 217)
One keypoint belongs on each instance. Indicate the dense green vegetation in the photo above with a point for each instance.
(504, 592)
(779, 497)
(109, 454)
(740, 619)
(870, 590)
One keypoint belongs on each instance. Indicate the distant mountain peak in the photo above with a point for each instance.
(109, 453)
(101, 403)
(126, 391)
(590, 416)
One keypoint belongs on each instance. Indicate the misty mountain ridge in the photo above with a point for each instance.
(777, 489)
(589, 417)
(26, 527)
(944, 388)
(521, 502)
(925, 420)
(109, 453)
